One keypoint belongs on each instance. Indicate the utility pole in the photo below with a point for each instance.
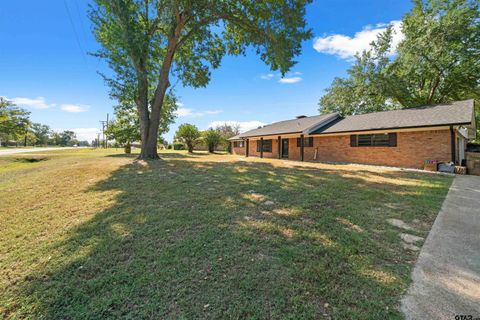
(103, 132)
(104, 126)
(106, 142)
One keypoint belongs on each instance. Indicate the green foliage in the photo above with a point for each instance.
(125, 129)
(14, 122)
(42, 133)
(67, 138)
(162, 141)
(187, 134)
(438, 61)
(226, 131)
(54, 139)
(146, 42)
(212, 138)
(177, 146)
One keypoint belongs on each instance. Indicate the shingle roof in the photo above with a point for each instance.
(299, 125)
(455, 113)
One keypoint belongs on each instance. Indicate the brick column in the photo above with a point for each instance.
(279, 147)
(301, 147)
(261, 147)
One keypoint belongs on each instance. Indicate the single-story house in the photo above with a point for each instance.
(401, 138)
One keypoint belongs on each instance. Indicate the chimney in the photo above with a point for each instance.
(300, 117)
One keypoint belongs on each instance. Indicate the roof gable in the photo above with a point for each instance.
(304, 125)
(455, 113)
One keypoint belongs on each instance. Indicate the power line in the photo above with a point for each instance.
(75, 31)
(82, 27)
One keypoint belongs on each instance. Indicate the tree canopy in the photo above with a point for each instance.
(149, 42)
(42, 133)
(188, 134)
(14, 121)
(212, 138)
(437, 61)
(125, 128)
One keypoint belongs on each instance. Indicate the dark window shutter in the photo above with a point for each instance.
(298, 142)
(353, 140)
(392, 138)
(258, 145)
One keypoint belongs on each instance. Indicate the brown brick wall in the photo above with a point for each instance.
(411, 150)
(239, 151)
(252, 149)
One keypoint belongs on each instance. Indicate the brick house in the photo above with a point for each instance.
(401, 138)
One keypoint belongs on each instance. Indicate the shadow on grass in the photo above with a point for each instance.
(205, 239)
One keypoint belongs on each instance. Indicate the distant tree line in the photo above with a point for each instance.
(16, 129)
(214, 139)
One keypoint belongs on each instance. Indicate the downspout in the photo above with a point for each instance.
(452, 143)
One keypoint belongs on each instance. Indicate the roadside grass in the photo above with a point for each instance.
(95, 234)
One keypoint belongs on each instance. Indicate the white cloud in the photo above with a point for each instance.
(187, 112)
(291, 77)
(244, 125)
(88, 134)
(213, 111)
(346, 47)
(74, 108)
(183, 112)
(37, 103)
(290, 80)
(83, 134)
(180, 104)
(41, 103)
(267, 76)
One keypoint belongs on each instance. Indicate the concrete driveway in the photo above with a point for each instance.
(22, 150)
(446, 277)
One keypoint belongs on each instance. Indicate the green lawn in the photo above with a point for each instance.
(94, 234)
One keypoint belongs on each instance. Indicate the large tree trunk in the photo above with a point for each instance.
(149, 128)
(148, 147)
(150, 122)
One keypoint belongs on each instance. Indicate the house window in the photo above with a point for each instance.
(374, 140)
(238, 144)
(307, 142)
(267, 145)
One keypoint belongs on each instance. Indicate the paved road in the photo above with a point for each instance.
(22, 150)
(446, 277)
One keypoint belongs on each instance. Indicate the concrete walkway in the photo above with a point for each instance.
(446, 277)
(22, 150)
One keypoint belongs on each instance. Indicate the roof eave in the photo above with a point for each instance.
(394, 128)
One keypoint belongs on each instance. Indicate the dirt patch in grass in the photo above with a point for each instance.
(30, 159)
(88, 235)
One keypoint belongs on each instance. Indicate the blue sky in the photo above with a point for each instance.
(45, 68)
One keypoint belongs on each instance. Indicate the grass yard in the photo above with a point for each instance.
(94, 234)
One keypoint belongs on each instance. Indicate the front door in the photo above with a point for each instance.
(285, 148)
